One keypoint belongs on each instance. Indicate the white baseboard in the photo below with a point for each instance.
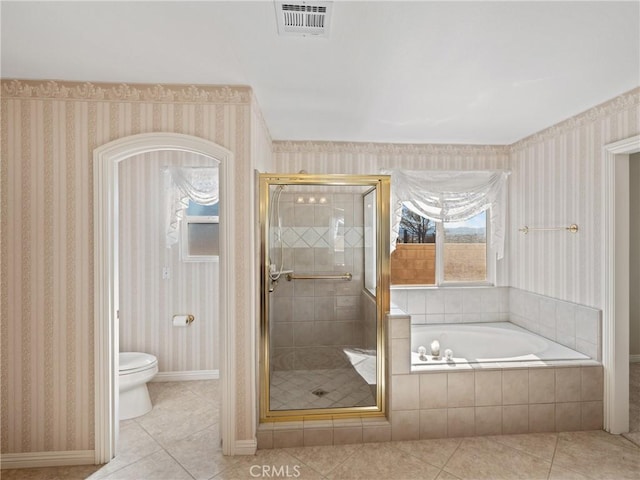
(246, 447)
(186, 376)
(47, 459)
(634, 358)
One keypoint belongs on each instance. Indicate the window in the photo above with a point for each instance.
(439, 253)
(200, 234)
(465, 250)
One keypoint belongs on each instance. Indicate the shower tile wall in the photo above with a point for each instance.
(313, 320)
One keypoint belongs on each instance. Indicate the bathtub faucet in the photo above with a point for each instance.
(422, 353)
(435, 349)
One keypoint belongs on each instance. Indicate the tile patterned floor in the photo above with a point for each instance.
(344, 387)
(175, 443)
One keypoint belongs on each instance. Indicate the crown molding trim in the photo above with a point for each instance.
(371, 148)
(622, 102)
(118, 92)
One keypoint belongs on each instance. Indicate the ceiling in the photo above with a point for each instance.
(390, 71)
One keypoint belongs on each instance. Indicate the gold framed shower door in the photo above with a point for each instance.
(381, 183)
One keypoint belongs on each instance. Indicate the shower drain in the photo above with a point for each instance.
(319, 392)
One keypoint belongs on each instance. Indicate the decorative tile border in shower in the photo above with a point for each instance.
(320, 237)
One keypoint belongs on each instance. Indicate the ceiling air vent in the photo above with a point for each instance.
(303, 18)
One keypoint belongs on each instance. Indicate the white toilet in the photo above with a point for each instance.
(136, 369)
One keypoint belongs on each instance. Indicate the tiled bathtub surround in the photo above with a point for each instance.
(575, 326)
(453, 305)
(481, 399)
(572, 325)
(489, 401)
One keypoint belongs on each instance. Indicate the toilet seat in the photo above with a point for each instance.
(134, 362)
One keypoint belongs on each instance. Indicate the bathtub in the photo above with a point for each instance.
(486, 342)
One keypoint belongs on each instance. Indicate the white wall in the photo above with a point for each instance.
(147, 301)
(634, 267)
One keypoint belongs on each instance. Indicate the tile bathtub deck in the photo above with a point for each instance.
(173, 443)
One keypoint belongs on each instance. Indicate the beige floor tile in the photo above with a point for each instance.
(444, 475)
(559, 473)
(201, 454)
(207, 389)
(542, 445)
(187, 446)
(323, 459)
(383, 461)
(179, 417)
(275, 463)
(481, 458)
(598, 454)
(633, 437)
(134, 444)
(435, 452)
(157, 466)
(162, 391)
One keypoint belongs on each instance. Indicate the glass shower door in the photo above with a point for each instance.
(321, 323)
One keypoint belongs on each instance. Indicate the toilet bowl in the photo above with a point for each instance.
(135, 370)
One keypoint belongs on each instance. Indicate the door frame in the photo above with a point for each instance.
(615, 261)
(106, 330)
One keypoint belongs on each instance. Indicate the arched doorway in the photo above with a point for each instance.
(106, 160)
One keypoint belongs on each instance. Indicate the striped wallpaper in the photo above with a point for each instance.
(148, 302)
(557, 181)
(49, 131)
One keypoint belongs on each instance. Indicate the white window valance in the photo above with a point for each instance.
(199, 184)
(450, 196)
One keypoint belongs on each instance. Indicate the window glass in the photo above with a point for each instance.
(465, 250)
(413, 262)
(200, 242)
(432, 253)
(195, 209)
(203, 239)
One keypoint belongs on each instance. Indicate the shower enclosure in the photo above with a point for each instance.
(325, 290)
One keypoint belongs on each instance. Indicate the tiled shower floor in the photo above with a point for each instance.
(342, 387)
